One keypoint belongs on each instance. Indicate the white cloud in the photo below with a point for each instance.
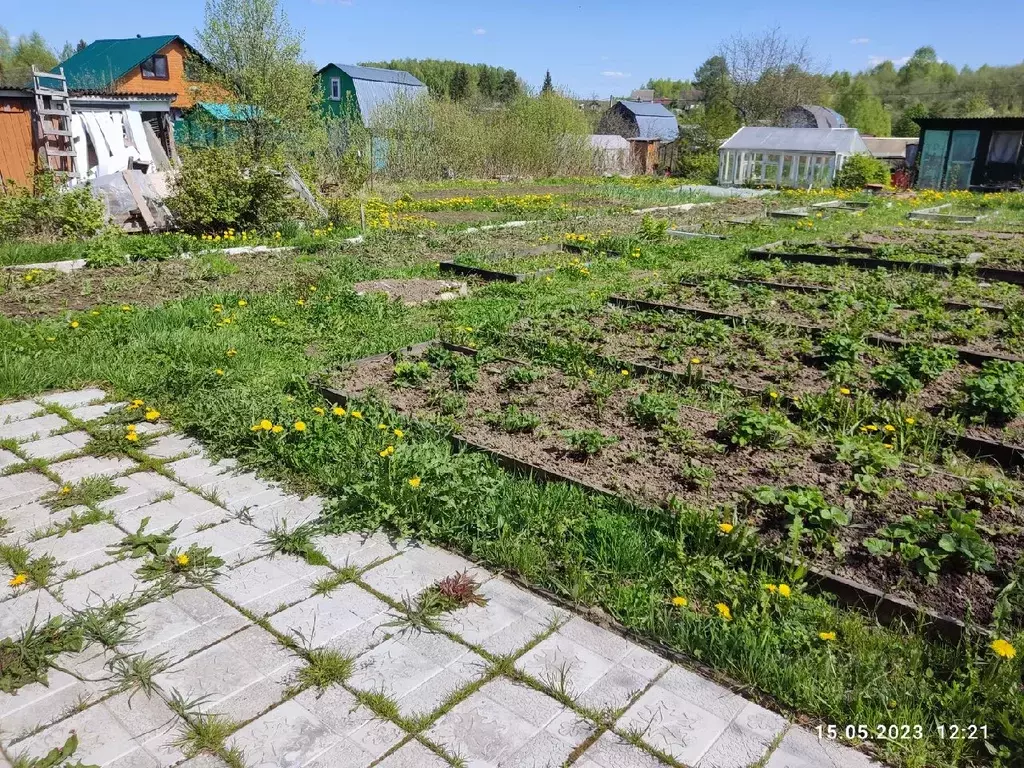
(479, 31)
(615, 74)
(874, 61)
(860, 41)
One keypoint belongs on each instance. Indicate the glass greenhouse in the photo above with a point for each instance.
(786, 157)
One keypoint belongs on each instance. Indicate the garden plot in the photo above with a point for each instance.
(538, 261)
(631, 436)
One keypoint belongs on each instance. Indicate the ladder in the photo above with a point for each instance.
(53, 122)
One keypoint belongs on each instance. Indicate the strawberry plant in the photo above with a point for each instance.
(751, 427)
(409, 374)
(806, 508)
(588, 442)
(520, 377)
(997, 393)
(896, 379)
(868, 459)
(513, 420)
(653, 409)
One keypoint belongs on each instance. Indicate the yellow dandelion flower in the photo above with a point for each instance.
(243, 303)
(132, 437)
(382, 426)
(1003, 648)
(338, 410)
(909, 420)
(680, 602)
(152, 414)
(18, 580)
(51, 338)
(773, 588)
(624, 372)
(65, 490)
(387, 452)
(95, 313)
(828, 637)
(399, 433)
(231, 352)
(300, 426)
(277, 429)
(725, 527)
(219, 371)
(74, 323)
(301, 302)
(844, 391)
(182, 559)
(356, 414)
(126, 307)
(414, 482)
(694, 361)
(889, 428)
(773, 395)
(723, 611)
(784, 590)
(319, 411)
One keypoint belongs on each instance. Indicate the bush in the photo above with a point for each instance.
(997, 393)
(215, 191)
(697, 167)
(50, 212)
(751, 427)
(859, 170)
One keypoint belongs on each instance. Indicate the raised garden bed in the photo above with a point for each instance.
(946, 213)
(518, 267)
(594, 430)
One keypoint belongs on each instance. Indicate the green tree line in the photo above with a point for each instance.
(456, 80)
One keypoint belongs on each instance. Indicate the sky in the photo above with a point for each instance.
(595, 48)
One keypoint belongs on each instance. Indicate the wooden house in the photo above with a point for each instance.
(360, 92)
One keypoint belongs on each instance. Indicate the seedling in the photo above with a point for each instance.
(409, 374)
(751, 427)
(520, 377)
(588, 442)
(513, 420)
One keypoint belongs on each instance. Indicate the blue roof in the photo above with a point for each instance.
(227, 112)
(377, 74)
(653, 120)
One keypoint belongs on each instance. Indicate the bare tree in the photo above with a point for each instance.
(770, 73)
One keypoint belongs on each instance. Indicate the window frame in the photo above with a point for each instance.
(335, 84)
(154, 74)
(992, 145)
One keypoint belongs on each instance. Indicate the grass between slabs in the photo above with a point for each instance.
(672, 576)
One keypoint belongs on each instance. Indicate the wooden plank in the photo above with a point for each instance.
(140, 201)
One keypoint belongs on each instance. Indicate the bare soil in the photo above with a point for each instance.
(511, 190)
(414, 291)
(463, 217)
(647, 465)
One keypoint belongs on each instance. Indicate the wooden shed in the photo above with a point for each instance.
(17, 144)
(983, 153)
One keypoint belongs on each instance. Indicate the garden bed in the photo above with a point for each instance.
(606, 430)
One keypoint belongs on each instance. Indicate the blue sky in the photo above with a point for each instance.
(597, 47)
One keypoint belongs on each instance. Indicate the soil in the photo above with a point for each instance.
(151, 283)
(499, 191)
(414, 291)
(646, 464)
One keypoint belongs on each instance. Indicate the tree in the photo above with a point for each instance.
(769, 73)
(459, 87)
(863, 110)
(508, 87)
(17, 58)
(256, 57)
(67, 52)
(82, 45)
(666, 88)
(906, 126)
(718, 119)
(548, 87)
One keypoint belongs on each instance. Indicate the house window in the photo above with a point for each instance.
(155, 68)
(1005, 146)
(335, 89)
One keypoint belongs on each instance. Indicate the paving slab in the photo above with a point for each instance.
(93, 412)
(73, 470)
(73, 399)
(140, 488)
(173, 446)
(116, 581)
(264, 585)
(612, 751)
(802, 749)
(58, 445)
(22, 488)
(24, 430)
(8, 459)
(18, 411)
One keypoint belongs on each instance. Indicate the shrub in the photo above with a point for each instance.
(859, 170)
(214, 191)
(698, 167)
(50, 211)
(997, 393)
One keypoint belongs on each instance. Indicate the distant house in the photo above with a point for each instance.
(896, 151)
(612, 155)
(354, 91)
(141, 65)
(971, 153)
(639, 120)
(786, 157)
(812, 116)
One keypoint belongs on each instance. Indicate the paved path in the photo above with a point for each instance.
(517, 683)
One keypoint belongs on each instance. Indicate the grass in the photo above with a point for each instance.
(88, 491)
(627, 559)
(324, 667)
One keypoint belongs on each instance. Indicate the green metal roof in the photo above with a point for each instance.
(101, 63)
(227, 112)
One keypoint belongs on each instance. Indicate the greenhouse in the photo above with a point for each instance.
(786, 157)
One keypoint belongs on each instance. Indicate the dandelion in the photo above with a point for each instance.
(356, 414)
(1003, 648)
(889, 428)
(74, 323)
(301, 302)
(386, 452)
(723, 611)
(277, 235)
(784, 590)
(694, 361)
(725, 527)
(277, 429)
(871, 427)
(300, 426)
(773, 588)
(624, 372)
(414, 482)
(243, 303)
(338, 410)
(909, 420)
(135, 404)
(890, 446)
(18, 580)
(844, 391)
(126, 307)
(219, 371)
(382, 426)
(182, 559)
(152, 414)
(680, 602)
(828, 637)
(399, 433)
(231, 352)
(590, 371)
(132, 437)
(51, 338)
(95, 313)
(773, 395)
(319, 411)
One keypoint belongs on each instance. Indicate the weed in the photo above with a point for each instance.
(58, 757)
(459, 590)
(113, 441)
(805, 508)
(140, 543)
(410, 374)
(520, 377)
(35, 570)
(654, 409)
(28, 658)
(588, 442)
(196, 565)
(513, 420)
(755, 428)
(297, 542)
(324, 667)
(136, 672)
(88, 491)
(327, 584)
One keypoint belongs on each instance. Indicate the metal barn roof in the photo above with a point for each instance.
(653, 120)
(376, 87)
(103, 62)
(844, 141)
(827, 118)
(378, 74)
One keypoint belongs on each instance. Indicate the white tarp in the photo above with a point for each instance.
(137, 134)
(116, 139)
